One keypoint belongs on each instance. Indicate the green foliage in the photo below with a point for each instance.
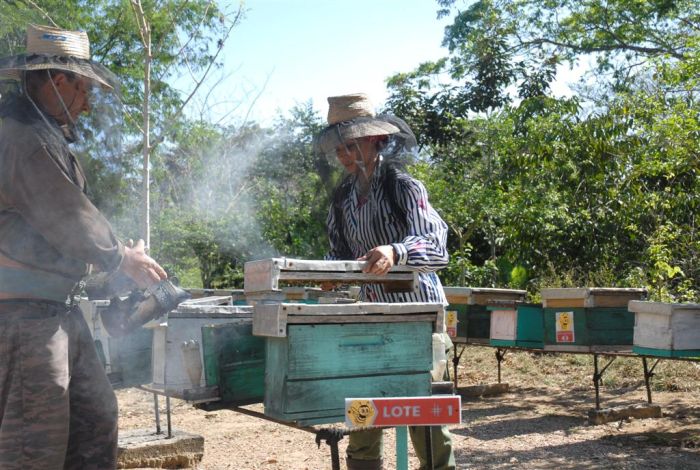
(571, 192)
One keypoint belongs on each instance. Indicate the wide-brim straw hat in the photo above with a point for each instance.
(56, 49)
(351, 117)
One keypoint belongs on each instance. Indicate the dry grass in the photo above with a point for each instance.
(574, 371)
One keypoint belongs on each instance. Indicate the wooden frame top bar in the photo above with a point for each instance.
(265, 275)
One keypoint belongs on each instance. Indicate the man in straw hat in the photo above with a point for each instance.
(381, 215)
(57, 408)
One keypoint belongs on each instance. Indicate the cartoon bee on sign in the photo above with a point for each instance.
(361, 413)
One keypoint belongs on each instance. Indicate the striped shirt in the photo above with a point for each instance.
(370, 222)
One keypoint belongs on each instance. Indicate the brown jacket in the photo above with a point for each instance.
(47, 221)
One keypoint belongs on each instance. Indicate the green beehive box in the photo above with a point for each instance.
(514, 324)
(318, 355)
(468, 319)
(234, 362)
(530, 326)
(588, 319)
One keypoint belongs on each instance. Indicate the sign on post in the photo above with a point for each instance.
(403, 411)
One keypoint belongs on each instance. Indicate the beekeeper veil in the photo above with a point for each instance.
(51, 51)
(351, 117)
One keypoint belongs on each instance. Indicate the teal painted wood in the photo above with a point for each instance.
(310, 372)
(323, 400)
(593, 326)
(691, 353)
(611, 326)
(234, 360)
(502, 343)
(402, 448)
(530, 331)
(358, 349)
(474, 321)
(580, 327)
(131, 357)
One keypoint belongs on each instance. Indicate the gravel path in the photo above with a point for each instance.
(528, 428)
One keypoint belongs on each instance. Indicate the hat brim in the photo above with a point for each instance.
(333, 136)
(12, 68)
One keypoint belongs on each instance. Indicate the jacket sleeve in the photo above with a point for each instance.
(54, 206)
(425, 248)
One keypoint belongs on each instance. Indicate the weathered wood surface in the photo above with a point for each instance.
(481, 295)
(309, 373)
(234, 362)
(208, 300)
(265, 275)
(178, 362)
(589, 297)
(504, 324)
(272, 319)
(666, 326)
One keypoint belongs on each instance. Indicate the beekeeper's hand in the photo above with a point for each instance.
(140, 267)
(379, 260)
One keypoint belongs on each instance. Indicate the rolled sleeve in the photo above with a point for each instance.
(401, 253)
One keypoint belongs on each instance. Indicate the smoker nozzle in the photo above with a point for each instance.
(124, 316)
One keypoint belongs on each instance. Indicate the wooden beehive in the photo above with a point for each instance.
(317, 355)
(178, 359)
(590, 297)
(234, 362)
(127, 359)
(237, 295)
(468, 306)
(264, 276)
(530, 329)
(589, 319)
(666, 329)
(504, 323)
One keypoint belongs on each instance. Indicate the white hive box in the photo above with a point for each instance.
(178, 365)
(666, 329)
(91, 312)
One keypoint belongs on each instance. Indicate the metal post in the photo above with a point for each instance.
(500, 355)
(167, 407)
(648, 374)
(596, 379)
(335, 456)
(429, 446)
(455, 361)
(156, 408)
(402, 448)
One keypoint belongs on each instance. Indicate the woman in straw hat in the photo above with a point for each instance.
(381, 215)
(57, 408)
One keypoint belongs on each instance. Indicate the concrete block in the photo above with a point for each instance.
(618, 413)
(141, 448)
(472, 391)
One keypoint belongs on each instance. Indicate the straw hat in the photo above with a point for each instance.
(351, 117)
(57, 49)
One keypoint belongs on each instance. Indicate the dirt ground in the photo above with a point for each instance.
(531, 427)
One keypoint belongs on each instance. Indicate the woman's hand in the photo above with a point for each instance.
(379, 260)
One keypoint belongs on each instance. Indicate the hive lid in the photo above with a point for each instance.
(481, 290)
(660, 308)
(212, 311)
(583, 292)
